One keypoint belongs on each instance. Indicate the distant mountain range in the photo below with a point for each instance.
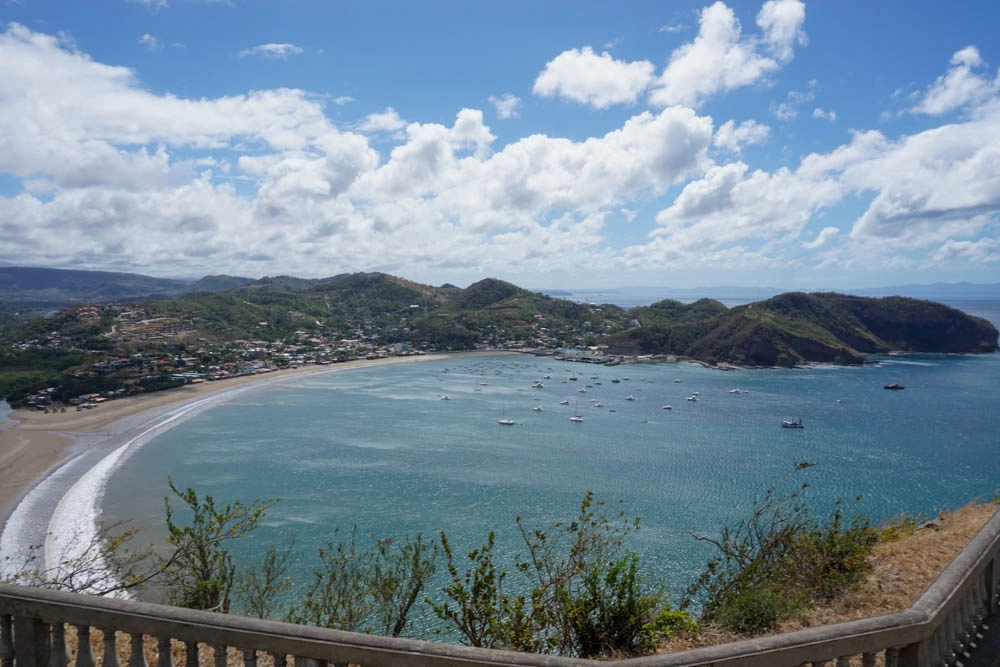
(31, 290)
(651, 294)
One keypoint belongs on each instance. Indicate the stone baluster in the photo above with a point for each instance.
(84, 651)
(219, 656)
(191, 654)
(163, 657)
(31, 641)
(892, 657)
(59, 653)
(6, 641)
(843, 661)
(110, 650)
(138, 655)
(868, 659)
(250, 657)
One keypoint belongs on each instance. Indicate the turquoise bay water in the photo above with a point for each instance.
(379, 448)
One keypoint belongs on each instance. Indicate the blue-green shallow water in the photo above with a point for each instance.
(379, 448)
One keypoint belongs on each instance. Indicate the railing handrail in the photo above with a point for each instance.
(903, 628)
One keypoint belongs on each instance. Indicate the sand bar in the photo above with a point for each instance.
(33, 444)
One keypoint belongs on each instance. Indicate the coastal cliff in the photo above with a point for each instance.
(795, 328)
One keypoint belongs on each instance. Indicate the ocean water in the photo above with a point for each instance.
(382, 450)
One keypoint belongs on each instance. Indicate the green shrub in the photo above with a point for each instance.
(779, 561)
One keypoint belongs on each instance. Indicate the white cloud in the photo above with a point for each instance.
(733, 137)
(983, 251)
(506, 105)
(598, 80)
(959, 86)
(150, 43)
(824, 115)
(822, 238)
(152, 4)
(385, 121)
(343, 99)
(789, 109)
(720, 59)
(271, 51)
(781, 21)
(671, 28)
(730, 205)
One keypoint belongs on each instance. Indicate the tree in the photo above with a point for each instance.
(200, 568)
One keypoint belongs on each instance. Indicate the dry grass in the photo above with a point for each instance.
(902, 565)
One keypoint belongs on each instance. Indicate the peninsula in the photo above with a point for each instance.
(104, 344)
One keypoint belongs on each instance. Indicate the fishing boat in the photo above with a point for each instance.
(630, 397)
(788, 423)
(576, 418)
(538, 408)
(894, 386)
(566, 402)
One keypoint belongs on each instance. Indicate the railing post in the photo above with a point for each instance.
(84, 651)
(31, 641)
(992, 575)
(163, 657)
(110, 657)
(191, 654)
(914, 655)
(59, 654)
(138, 658)
(250, 657)
(6, 641)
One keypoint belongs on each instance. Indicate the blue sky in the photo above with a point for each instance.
(552, 144)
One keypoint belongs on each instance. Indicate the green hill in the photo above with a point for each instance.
(795, 328)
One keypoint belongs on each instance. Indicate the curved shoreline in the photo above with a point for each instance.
(44, 456)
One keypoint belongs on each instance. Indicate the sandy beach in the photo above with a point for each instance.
(32, 444)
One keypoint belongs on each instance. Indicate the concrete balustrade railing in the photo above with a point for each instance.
(938, 629)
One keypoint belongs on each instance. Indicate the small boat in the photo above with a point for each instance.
(788, 423)
(576, 418)
(446, 397)
(734, 391)
(630, 397)
(598, 404)
(547, 377)
(895, 386)
(668, 407)
(582, 391)
(506, 421)
(616, 380)
(572, 379)
(624, 378)
(677, 380)
(566, 402)
(537, 408)
(693, 398)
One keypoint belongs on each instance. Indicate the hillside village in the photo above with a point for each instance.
(84, 354)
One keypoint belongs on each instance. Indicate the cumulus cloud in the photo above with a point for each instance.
(733, 137)
(152, 4)
(720, 59)
(342, 100)
(824, 115)
(150, 43)
(598, 80)
(983, 251)
(131, 179)
(506, 105)
(272, 51)
(384, 121)
(821, 239)
(781, 22)
(959, 86)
